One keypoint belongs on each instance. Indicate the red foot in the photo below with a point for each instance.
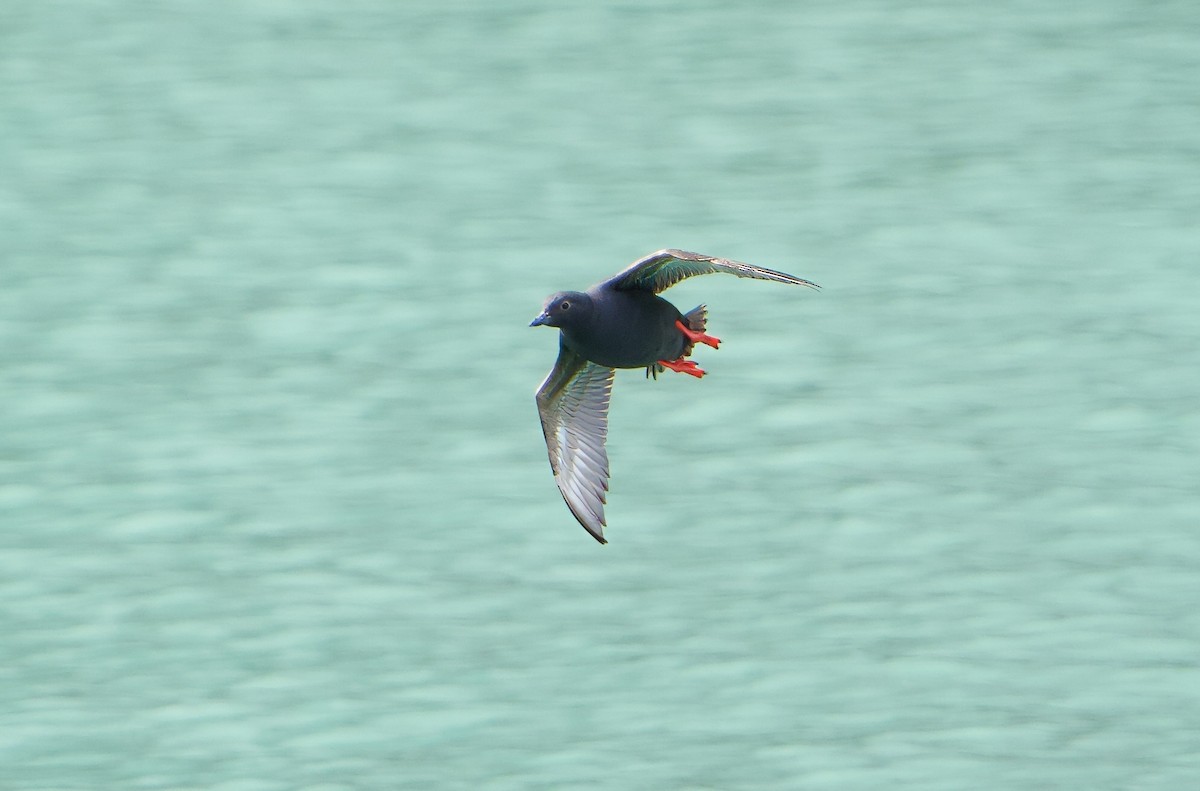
(683, 366)
(697, 337)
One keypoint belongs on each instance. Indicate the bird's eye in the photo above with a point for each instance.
(565, 305)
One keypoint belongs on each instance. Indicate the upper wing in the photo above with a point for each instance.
(573, 406)
(659, 271)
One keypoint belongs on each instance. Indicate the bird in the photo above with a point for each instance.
(620, 322)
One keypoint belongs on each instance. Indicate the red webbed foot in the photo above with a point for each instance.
(683, 366)
(697, 337)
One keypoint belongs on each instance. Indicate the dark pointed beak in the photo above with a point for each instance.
(542, 318)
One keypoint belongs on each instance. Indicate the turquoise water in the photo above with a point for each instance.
(275, 511)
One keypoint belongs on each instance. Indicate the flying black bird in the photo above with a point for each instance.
(618, 323)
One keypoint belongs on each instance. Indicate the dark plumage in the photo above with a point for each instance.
(618, 323)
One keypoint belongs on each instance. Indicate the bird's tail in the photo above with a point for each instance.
(697, 321)
(697, 318)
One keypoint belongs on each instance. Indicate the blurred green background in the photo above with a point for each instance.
(275, 511)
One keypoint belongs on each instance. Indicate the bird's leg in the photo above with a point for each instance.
(697, 337)
(683, 366)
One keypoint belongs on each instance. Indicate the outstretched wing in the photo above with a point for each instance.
(659, 271)
(573, 406)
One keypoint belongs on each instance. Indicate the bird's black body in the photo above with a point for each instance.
(626, 329)
(618, 323)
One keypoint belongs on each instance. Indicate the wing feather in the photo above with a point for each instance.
(663, 269)
(573, 406)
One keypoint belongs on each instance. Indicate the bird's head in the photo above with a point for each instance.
(564, 309)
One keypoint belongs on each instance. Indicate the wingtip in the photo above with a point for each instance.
(596, 533)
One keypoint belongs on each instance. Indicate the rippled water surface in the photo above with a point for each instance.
(275, 511)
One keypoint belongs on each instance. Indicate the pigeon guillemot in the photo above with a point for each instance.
(618, 323)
